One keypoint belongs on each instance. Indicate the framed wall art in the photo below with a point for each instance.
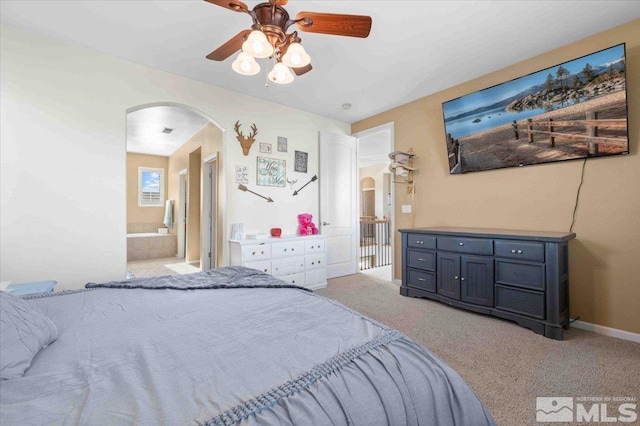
(265, 148)
(271, 172)
(282, 144)
(242, 174)
(301, 160)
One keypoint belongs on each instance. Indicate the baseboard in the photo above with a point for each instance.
(607, 331)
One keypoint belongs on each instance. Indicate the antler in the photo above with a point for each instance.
(254, 131)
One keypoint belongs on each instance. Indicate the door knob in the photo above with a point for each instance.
(325, 223)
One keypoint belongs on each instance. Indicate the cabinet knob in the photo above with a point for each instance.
(513, 251)
(460, 244)
(455, 277)
(519, 251)
(462, 279)
(293, 281)
(254, 253)
(285, 249)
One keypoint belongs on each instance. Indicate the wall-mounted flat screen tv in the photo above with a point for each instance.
(574, 110)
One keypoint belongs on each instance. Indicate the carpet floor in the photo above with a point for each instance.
(508, 366)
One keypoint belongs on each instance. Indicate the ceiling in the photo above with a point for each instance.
(415, 48)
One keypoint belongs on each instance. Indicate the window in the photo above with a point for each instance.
(150, 187)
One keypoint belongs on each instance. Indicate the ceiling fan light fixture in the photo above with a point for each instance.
(281, 74)
(245, 64)
(296, 56)
(257, 45)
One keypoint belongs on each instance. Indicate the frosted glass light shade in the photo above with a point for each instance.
(281, 74)
(257, 45)
(296, 56)
(245, 65)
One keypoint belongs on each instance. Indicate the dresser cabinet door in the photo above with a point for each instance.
(448, 278)
(476, 280)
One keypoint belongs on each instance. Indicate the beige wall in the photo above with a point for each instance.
(202, 145)
(143, 215)
(604, 265)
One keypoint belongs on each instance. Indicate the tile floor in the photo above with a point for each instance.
(159, 267)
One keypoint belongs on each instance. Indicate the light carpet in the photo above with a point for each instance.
(508, 366)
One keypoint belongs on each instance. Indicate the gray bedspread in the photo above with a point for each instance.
(228, 346)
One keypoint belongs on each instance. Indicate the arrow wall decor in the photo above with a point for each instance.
(313, 179)
(245, 189)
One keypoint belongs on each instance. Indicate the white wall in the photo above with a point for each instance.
(63, 163)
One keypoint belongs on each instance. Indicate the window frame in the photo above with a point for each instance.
(141, 197)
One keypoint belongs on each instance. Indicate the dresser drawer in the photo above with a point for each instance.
(523, 250)
(286, 249)
(264, 266)
(466, 245)
(256, 252)
(421, 259)
(314, 246)
(529, 275)
(287, 265)
(421, 241)
(316, 278)
(313, 261)
(520, 301)
(422, 280)
(295, 279)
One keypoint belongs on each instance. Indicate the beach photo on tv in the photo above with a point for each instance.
(577, 109)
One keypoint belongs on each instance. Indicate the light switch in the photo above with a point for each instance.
(406, 208)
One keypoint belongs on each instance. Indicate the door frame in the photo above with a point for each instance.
(363, 134)
(182, 213)
(209, 213)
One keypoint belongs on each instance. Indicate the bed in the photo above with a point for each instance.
(226, 346)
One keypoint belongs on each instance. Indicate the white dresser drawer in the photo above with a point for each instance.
(287, 248)
(313, 261)
(314, 246)
(256, 252)
(316, 278)
(287, 265)
(295, 279)
(264, 266)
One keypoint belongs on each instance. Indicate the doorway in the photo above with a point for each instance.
(376, 210)
(184, 143)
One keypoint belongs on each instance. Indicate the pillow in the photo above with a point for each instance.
(23, 332)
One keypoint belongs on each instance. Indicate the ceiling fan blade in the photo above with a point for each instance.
(229, 48)
(337, 24)
(236, 5)
(302, 70)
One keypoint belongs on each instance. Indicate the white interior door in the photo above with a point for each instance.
(339, 202)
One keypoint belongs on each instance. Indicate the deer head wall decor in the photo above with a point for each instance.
(246, 141)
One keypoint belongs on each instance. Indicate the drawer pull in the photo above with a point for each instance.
(421, 259)
(285, 250)
(254, 253)
(460, 244)
(421, 279)
(519, 251)
(513, 251)
(293, 281)
(516, 251)
(265, 269)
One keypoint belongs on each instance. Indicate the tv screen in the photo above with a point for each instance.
(574, 110)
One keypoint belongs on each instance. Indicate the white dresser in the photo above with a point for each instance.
(299, 260)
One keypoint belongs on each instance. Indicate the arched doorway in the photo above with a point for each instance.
(174, 167)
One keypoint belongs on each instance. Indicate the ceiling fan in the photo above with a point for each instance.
(268, 37)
